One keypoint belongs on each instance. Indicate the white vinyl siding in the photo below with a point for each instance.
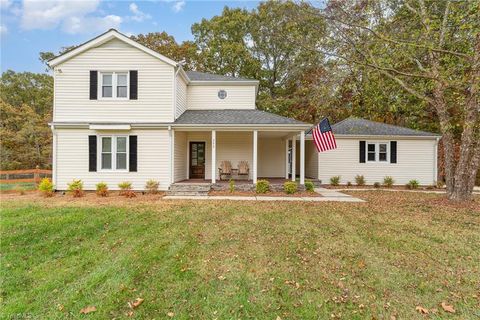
(181, 97)
(153, 160)
(155, 87)
(271, 158)
(311, 160)
(206, 97)
(415, 160)
(180, 161)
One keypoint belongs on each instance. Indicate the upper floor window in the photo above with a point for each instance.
(114, 85)
(377, 152)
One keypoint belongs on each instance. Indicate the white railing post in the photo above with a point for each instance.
(255, 140)
(302, 157)
(287, 142)
(294, 157)
(214, 158)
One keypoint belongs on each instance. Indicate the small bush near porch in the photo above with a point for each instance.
(382, 259)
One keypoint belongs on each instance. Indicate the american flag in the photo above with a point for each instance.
(323, 136)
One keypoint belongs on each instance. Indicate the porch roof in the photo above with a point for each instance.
(235, 117)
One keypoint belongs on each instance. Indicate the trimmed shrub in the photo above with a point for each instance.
(262, 186)
(388, 181)
(309, 186)
(440, 184)
(126, 189)
(335, 180)
(376, 185)
(360, 180)
(231, 185)
(152, 186)
(349, 183)
(102, 189)
(46, 187)
(75, 188)
(413, 184)
(290, 187)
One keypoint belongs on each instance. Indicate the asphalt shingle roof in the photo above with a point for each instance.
(202, 76)
(235, 116)
(358, 126)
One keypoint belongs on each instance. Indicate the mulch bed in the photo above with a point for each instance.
(268, 194)
(381, 187)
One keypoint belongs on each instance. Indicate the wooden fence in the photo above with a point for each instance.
(29, 175)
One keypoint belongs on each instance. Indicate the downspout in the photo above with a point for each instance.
(54, 156)
(176, 71)
(435, 167)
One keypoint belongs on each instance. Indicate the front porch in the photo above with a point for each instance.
(197, 156)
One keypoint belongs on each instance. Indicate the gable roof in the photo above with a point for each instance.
(361, 127)
(203, 76)
(235, 117)
(103, 38)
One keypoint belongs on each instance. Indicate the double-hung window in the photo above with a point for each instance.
(377, 152)
(114, 153)
(114, 85)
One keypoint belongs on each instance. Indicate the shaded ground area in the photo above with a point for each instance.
(224, 260)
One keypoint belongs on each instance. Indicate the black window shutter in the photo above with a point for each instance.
(92, 153)
(133, 84)
(393, 151)
(362, 151)
(93, 84)
(132, 161)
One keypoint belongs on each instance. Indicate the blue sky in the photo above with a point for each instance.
(30, 26)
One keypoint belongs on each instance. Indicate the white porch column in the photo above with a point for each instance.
(302, 157)
(214, 155)
(294, 157)
(287, 142)
(254, 169)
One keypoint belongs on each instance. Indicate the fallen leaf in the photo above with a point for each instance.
(88, 309)
(421, 310)
(278, 318)
(129, 313)
(447, 308)
(135, 303)
(170, 314)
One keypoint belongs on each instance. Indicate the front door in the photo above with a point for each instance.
(197, 160)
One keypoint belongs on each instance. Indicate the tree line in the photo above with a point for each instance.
(413, 63)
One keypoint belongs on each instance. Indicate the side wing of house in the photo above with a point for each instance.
(402, 158)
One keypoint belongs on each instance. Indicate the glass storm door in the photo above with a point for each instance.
(197, 160)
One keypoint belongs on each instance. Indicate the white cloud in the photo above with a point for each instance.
(5, 4)
(75, 25)
(138, 15)
(3, 29)
(73, 16)
(178, 6)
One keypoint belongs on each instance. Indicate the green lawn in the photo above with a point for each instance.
(17, 186)
(239, 260)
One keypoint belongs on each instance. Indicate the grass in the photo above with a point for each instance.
(226, 260)
(13, 186)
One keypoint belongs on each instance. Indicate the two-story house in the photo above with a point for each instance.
(123, 112)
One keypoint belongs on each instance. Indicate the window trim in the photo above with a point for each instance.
(114, 85)
(377, 151)
(113, 152)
